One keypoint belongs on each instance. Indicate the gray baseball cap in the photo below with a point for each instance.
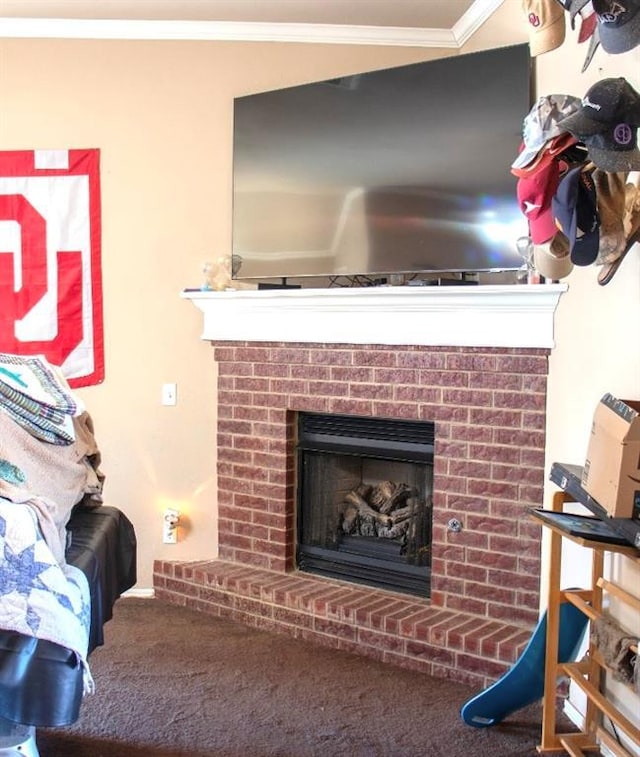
(543, 123)
(618, 24)
(606, 104)
(615, 149)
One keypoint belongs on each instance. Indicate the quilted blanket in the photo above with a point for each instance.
(39, 596)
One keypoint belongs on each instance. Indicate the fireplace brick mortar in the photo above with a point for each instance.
(488, 406)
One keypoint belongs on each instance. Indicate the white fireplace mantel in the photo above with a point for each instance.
(471, 316)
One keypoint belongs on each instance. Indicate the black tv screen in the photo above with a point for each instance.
(400, 170)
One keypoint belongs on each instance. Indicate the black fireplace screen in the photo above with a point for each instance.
(365, 500)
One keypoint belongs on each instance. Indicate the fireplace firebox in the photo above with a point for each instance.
(364, 499)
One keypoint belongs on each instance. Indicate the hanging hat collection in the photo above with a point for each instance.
(577, 154)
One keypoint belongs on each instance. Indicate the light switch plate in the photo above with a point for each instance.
(169, 394)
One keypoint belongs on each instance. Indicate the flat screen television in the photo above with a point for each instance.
(403, 170)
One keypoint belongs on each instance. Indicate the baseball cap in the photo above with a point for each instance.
(618, 24)
(588, 27)
(575, 212)
(607, 102)
(552, 259)
(615, 149)
(553, 148)
(542, 124)
(546, 25)
(594, 44)
(575, 6)
(535, 193)
(588, 19)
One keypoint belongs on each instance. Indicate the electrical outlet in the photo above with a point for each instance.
(171, 518)
(169, 394)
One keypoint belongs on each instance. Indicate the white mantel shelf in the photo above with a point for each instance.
(470, 316)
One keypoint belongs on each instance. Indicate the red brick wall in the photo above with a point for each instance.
(488, 405)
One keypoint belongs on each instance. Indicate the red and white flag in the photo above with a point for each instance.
(50, 270)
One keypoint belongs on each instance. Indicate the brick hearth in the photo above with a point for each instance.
(488, 405)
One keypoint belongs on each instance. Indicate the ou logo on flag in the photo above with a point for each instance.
(50, 275)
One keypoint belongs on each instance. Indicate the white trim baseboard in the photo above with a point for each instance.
(139, 594)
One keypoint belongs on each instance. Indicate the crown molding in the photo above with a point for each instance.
(473, 19)
(137, 29)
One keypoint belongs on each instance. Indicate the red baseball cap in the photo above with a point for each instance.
(535, 194)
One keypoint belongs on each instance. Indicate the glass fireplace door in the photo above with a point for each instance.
(364, 506)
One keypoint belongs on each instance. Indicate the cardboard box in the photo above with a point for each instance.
(611, 473)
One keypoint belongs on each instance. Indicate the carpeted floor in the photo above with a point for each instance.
(171, 682)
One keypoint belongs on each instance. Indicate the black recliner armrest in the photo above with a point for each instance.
(41, 683)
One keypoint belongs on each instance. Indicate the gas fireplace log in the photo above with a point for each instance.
(395, 531)
(413, 509)
(388, 495)
(349, 523)
(363, 490)
(366, 511)
(397, 516)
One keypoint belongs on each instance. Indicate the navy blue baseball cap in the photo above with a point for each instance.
(575, 211)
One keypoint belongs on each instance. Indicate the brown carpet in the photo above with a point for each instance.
(173, 682)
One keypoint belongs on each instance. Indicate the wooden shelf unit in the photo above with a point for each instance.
(589, 673)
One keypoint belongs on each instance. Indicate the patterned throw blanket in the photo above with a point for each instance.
(35, 394)
(59, 476)
(39, 597)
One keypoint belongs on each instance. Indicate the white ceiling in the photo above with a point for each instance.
(447, 23)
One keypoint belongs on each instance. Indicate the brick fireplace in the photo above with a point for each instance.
(487, 402)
